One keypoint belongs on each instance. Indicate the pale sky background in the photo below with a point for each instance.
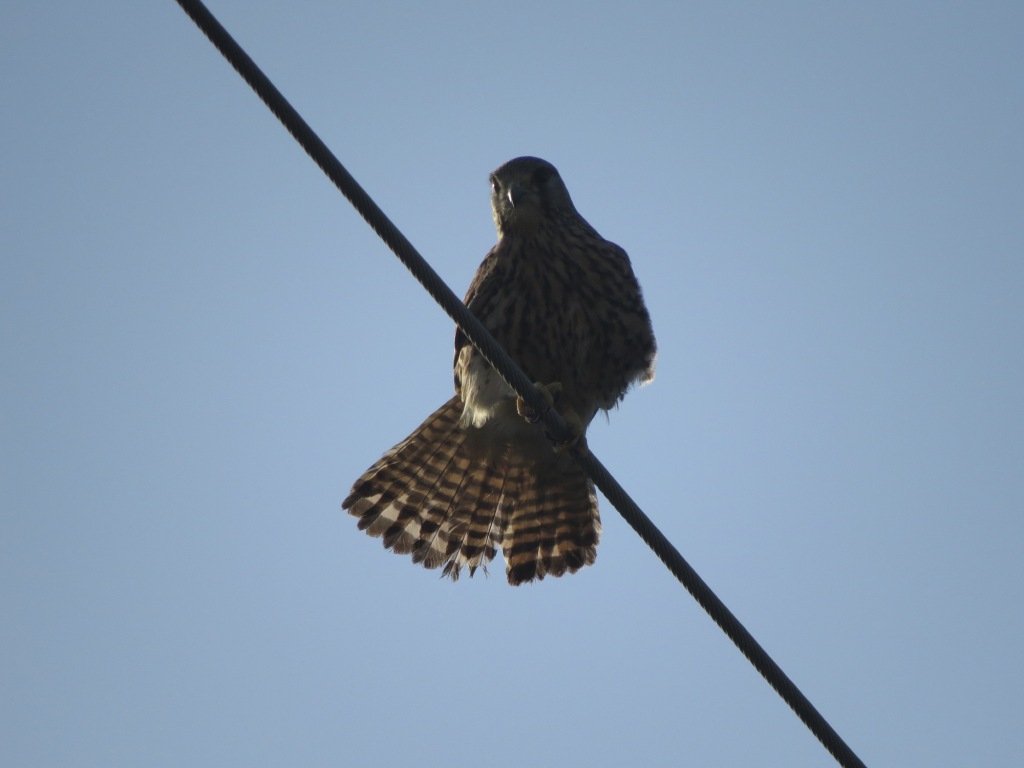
(203, 346)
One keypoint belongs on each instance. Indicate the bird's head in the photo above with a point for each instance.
(526, 191)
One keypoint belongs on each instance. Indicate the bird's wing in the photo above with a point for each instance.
(482, 294)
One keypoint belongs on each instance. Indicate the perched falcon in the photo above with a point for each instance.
(477, 476)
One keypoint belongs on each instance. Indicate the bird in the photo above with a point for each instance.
(480, 474)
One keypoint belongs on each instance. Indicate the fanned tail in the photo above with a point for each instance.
(450, 499)
(433, 497)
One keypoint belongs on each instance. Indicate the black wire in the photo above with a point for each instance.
(503, 364)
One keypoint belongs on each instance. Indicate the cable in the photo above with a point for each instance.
(503, 364)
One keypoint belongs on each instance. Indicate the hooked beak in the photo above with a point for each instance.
(516, 193)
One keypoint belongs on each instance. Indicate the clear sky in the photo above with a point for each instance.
(203, 346)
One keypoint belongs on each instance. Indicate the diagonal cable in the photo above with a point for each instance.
(511, 373)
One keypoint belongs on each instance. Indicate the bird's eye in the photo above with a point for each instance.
(495, 186)
(541, 176)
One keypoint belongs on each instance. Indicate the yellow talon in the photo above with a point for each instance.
(551, 393)
(576, 439)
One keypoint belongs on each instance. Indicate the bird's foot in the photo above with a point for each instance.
(551, 394)
(577, 439)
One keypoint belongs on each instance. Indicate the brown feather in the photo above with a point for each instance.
(475, 476)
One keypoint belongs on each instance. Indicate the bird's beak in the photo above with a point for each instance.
(516, 193)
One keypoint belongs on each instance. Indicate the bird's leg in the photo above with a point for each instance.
(551, 394)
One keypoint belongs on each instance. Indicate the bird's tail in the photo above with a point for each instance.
(552, 522)
(451, 500)
(430, 497)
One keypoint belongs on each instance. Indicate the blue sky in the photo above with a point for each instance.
(203, 346)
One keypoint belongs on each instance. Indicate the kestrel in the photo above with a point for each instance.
(477, 476)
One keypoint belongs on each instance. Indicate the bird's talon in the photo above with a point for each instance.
(552, 394)
(549, 392)
(576, 440)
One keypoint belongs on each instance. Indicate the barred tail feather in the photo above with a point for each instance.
(432, 497)
(554, 526)
(451, 500)
(478, 522)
